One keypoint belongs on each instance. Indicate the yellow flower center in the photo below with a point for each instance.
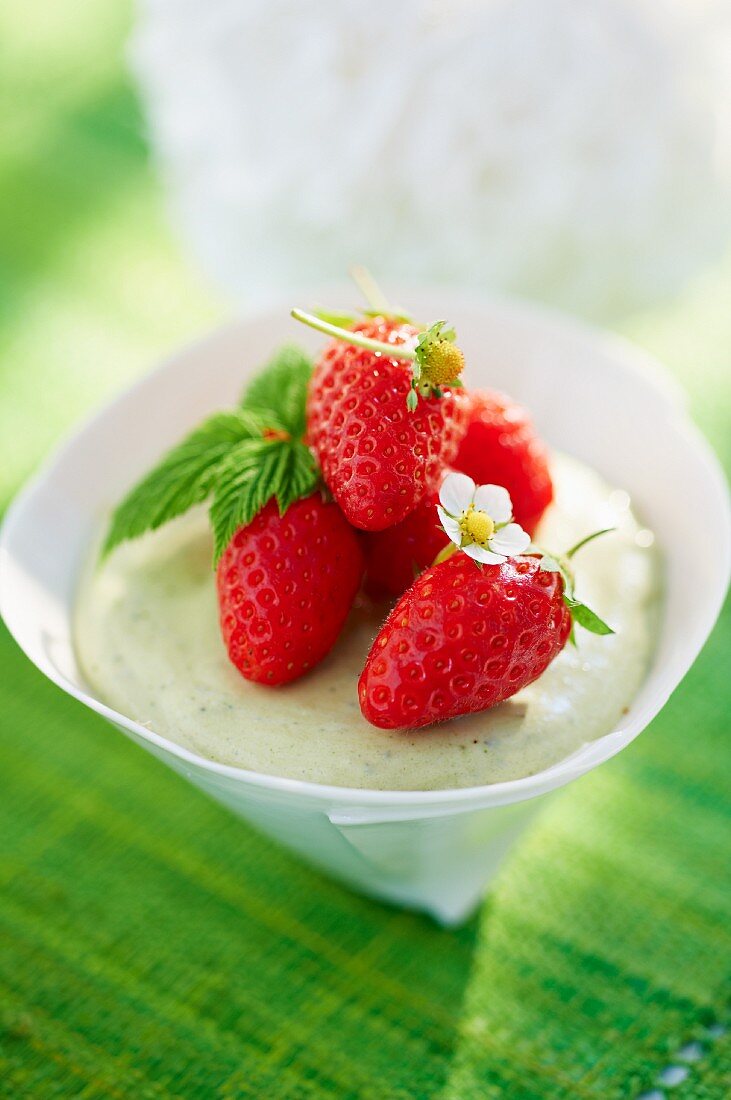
(476, 526)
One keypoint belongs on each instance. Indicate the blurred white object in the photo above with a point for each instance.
(575, 151)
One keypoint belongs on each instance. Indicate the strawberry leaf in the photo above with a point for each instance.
(585, 617)
(251, 475)
(281, 390)
(182, 478)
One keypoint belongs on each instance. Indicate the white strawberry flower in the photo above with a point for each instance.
(479, 520)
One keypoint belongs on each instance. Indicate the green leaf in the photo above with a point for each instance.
(549, 564)
(251, 475)
(232, 457)
(301, 477)
(281, 390)
(182, 478)
(587, 618)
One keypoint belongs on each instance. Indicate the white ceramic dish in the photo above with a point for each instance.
(592, 395)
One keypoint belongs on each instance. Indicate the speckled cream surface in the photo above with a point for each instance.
(148, 643)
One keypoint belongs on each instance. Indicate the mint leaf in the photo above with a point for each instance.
(241, 459)
(251, 475)
(301, 477)
(587, 618)
(183, 477)
(281, 390)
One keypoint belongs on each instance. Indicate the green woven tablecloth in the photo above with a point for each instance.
(153, 946)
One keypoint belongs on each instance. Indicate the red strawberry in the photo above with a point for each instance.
(463, 639)
(394, 557)
(379, 457)
(501, 447)
(285, 587)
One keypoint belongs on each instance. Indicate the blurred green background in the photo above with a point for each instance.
(150, 945)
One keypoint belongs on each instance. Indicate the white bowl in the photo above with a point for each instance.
(592, 395)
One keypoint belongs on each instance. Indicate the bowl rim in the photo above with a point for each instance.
(452, 798)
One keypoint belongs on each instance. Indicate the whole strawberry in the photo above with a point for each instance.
(288, 563)
(463, 639)
(285, 586)
(382, 426)
(479, 625)
(501, 446)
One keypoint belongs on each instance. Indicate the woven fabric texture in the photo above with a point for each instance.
(151, 946)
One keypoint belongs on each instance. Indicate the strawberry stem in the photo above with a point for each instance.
(370, 289)
(589, 538)
(392, 351)
(336, 317)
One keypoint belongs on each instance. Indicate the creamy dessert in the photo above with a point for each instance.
(394, 601)
(149, 644)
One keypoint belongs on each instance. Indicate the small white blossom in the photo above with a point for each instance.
(479, 520)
